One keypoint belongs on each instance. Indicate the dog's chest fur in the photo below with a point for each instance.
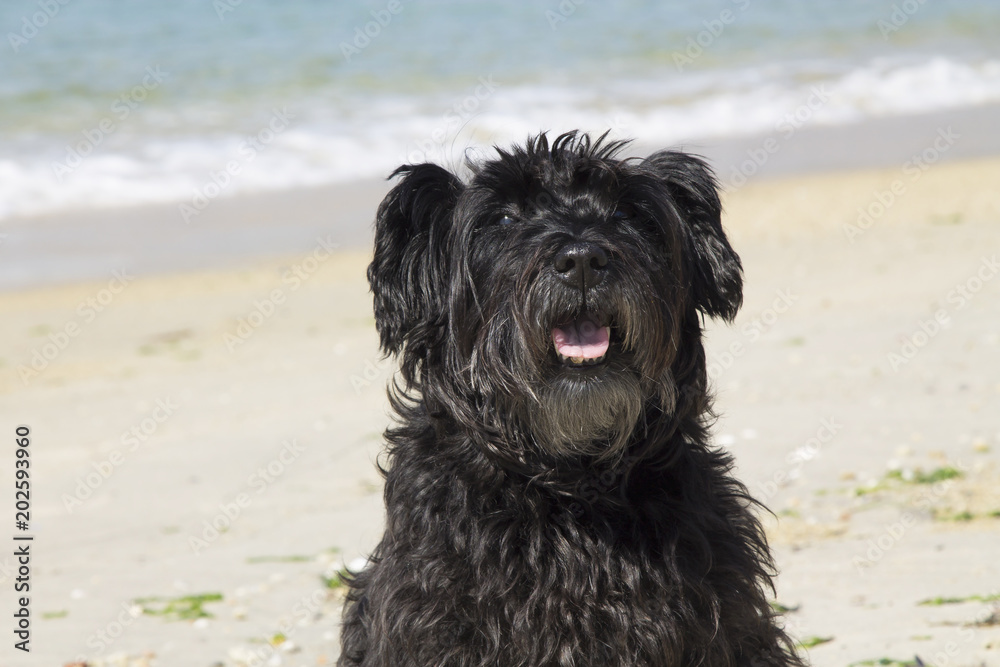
(479, 562)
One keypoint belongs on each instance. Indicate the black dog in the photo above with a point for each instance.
(552, 497)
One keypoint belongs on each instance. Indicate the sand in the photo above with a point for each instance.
(253, 398)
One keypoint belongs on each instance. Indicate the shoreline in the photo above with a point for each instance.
(60, 248)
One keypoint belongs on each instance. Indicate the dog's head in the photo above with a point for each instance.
(554, 296)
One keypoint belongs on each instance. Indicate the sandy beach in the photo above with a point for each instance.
(203, 442)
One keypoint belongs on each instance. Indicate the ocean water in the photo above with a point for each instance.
(118, 102)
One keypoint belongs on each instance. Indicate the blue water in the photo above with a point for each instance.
(108, 102)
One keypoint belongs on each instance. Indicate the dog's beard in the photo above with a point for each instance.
(593, 416)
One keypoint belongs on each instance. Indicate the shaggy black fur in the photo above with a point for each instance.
(540, 513)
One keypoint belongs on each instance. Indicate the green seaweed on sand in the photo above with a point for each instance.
(887, 662)
(810, 642)
(938, 601)
(184, 608)
(292, 558)
(336, 580)
(918, 476)
(921, 477)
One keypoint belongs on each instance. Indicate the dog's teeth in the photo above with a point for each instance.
(580, 361)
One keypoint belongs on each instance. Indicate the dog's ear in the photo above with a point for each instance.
(407, 274)
(715, 268)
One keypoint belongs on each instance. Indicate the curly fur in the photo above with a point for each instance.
(539, 515)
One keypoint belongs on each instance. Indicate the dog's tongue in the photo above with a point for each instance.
(581, 338)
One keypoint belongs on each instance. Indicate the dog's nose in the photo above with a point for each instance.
(581, 264)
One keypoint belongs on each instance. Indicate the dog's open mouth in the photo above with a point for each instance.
(581, 342)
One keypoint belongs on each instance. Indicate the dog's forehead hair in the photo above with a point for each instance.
(571, 160)
(563, 182)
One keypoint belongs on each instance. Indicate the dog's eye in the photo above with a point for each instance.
(622, 213)
(505, 220)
